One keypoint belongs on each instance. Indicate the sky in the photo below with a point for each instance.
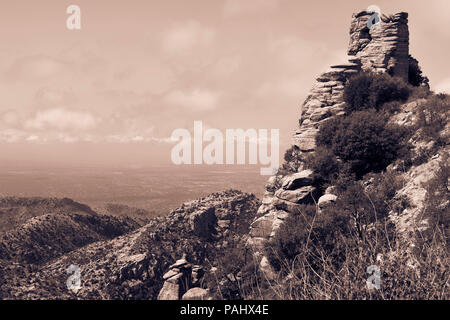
(112, 92)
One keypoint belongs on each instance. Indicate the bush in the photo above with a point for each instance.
(433, 117)
(292, 159)
(324, 164)
(437, 201)
(391, 107)
(415, 77)
(308, 234)
(363, 141)
(371, 90)
(327, 130)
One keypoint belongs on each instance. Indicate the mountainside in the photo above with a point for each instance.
(15, 211)
(48, 236)
(132, 266)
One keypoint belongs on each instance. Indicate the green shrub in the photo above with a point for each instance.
(371, 90)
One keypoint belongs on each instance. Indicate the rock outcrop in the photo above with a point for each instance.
(181, 281)
(382, 48)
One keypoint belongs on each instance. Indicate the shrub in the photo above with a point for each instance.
(421, 92)
(415, 77)
(381, 192)
(391, 107)
(363, 141)
(307, 233)
(371, 90)
(437, 201)
(327, 131)
(433, 117)
(324, 164)
(292, 159)
(235, 275)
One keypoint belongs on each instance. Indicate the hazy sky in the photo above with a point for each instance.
(114, 91)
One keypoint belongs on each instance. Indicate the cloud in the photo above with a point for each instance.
(35, 68)
(293, 52)
(11, 135)
(32, 138)
(9, 118)
(240, 7)
(196, 100)
(61, 119)
(184, 37)
(226, 66)
(53, 96)
(443, 86)
(291, 87)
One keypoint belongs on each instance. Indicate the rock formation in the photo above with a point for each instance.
(382, 48)
(182, 280)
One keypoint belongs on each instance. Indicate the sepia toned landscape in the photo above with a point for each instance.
(93, 205)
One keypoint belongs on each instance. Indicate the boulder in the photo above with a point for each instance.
(262, 227)
(326, 200)
(203, 222)
(303, 195)
(297, 180)
(170, 289)
(267, 269)
(331, 190)
(169, 274)
(196, 294)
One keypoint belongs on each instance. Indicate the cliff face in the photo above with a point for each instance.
(382, 48)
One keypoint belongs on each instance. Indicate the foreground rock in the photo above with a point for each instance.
(181, 278)
(196, 294)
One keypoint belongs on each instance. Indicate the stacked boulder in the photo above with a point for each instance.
(182, 281)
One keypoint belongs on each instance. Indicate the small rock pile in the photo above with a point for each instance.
(183, 281)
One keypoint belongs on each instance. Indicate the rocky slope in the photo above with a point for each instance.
(132, 266)
(15, 211)
(48, 236)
